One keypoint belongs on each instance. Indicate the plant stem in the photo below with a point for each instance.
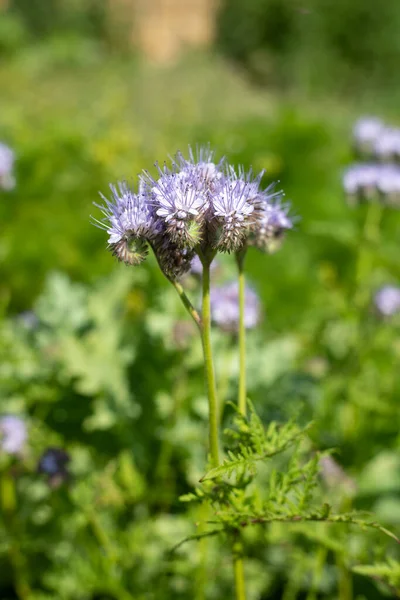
(238, 568)
(16, 557)
(369, 237)
(242, 398)
(187, 304)
(208, 362)
(209, 367)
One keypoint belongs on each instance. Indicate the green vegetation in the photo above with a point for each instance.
(112, 372)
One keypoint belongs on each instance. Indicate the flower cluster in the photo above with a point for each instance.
(195, 206)
(7, 181)
(378, 177)
(224, 302)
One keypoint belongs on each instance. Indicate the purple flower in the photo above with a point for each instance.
(225, 307)
(54, 463)
(387, 144)
(180, 201)
(13, 434)
(272, 223)
(130, 223)
(196, 202)
(360, 181)
(387, 300)
(7, 157)
(234, 206)
(366, 132)
(388, 184)
(208, 173)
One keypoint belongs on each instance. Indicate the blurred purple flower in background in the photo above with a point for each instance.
(13, 434)
(388, 184)
(360, 181)
(225, 307)
(365, 133)
(28, 319)
(387, 144)
(54, 463)
(7, 157)
(196, 268)
(272, 224)
(387, 300)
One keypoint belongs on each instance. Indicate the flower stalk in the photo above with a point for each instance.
(242, 398)
(206, 260)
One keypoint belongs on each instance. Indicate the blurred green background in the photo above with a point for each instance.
(93, 92)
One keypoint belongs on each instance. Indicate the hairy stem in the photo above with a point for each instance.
(208, 363)
(242, 398)
(187, 304)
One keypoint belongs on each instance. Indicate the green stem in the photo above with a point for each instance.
(370, 235)
(208, 363)
(242, 399)
(238, 568)
(318, 571)
(187, 304)
(17, 558)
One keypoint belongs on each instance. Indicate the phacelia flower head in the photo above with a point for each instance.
(360, 182)
(224, 302)
(7, 157)
(13, 434)
(387, 144)
(272, 223)
(365, 133)
(387, 300)
(129, 221)
(208, 172)
(234, 208)
(54, 463)
(180, 200)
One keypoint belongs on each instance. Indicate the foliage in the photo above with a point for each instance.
(290, 42)
(111, 371)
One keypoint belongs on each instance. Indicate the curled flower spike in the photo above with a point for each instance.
(179, 199)
(387, 300)
(13, 434)
(225, 307)
(130, 223)
(174, 261)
